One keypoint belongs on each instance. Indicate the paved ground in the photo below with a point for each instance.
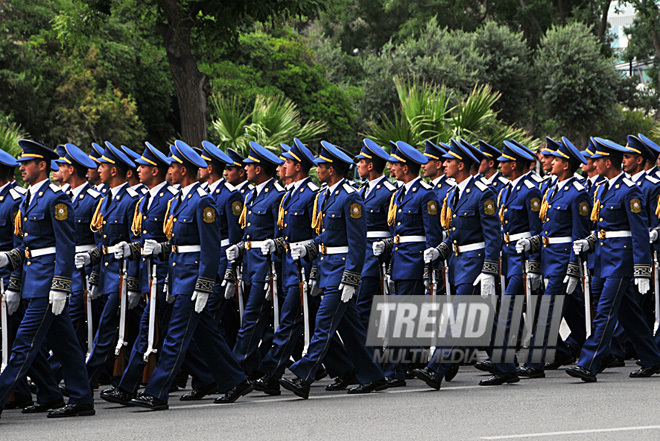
(555, 408)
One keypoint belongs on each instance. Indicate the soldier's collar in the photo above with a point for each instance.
(34, 188)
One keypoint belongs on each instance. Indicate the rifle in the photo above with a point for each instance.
(502, 277)
(445, 276)
(305, 306)
(272, 283)
(587, 294)
(433, 287)
(120, 361)
(656, 292)
(5, 327)
(88, 309)
(529, 310)
(152, 336)
(239, 289)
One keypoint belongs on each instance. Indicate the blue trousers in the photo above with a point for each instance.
(185, 324)
(38, 327)
(21, 390)
(617, 302)
(334, 315)
(369, 287)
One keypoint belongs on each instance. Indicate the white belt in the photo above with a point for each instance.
(290, 244)
(602, 234)
(109, 250)
(180, 249)
(378, 234)
(557, 240)
(332, 250)
(469, 247)
(516, 237)
(83, 248)
(224, 243)
(39, 252)
(254, 244)
(408, 239)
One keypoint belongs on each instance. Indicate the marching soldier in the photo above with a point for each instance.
(434, 171)
(259, 220)
(489, 167)
(235, 173)
(341, 249)
(132, 176)
(565, 216)
(545, 157)
(651, 165)
(45, 221)
(112, 218)
(623, 262)
(194, 243)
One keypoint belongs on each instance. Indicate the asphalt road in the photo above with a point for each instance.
(557, 407)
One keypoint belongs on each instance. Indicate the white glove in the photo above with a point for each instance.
(233, 252)
(269, 293)
(151, 247)
(13, 300)
(133, 299)
(297, 251)
(268, 247)
(82, 259)
(314, 289)
(4, 260)
(580, 246)
(653, 236)
(643, 284)
(122, 249)
(378, 247)
(200, 299)
(58, 300)
(572, 284)
(347, 292)
(230, 289)
(535, 280)
(523, 245)
(431, 254)
(94, 292)
(487, 284)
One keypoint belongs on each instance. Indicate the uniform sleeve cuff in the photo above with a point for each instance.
(95, 256)
(204, 285)
(132, 284)
(351, 278)
(642, 271)
(536, 244)
(573, 270)
(490, 267)
(62, 284)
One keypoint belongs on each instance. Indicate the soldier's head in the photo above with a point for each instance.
(545, 154)
(653, 151)
(74, 164)
(216, 159)
(261, 164)
(489, 164)
(35, 161)
(114, 165)
(371, 160)
(332, 164)
(298, 161)
(234, 171)
(566, 159)
(474, 168)
(459, 161)
(434, 168)
(406, 161)
(152, 166)
(608, 157)
(639, 153)
(514, 161)
(184, 164)
(7, 165)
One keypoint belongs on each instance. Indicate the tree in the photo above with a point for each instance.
(645, 35)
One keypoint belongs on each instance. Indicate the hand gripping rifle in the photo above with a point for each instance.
(120, 361)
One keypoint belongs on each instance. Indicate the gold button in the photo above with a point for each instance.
(396, 248)
(29, 263)
(25, 219)
(506, 221)
(600, 220)
(323, 230)
(250, 212)
(454, 215)
(106, 264)
(453, 228)
(24, 234)
(105, 236)
(144, 231)
(173, 263)
(601, 244)
(249, 224)
(105, 222)
(174, 219)
(286, 225)
(398, 223)
(399, 210)
(286, 212)
(321, 257)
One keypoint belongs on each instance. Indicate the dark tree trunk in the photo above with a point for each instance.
(191, 86)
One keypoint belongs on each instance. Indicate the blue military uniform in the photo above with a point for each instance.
(45, 221)
(492, 154)
(443, 184)
(622, 240)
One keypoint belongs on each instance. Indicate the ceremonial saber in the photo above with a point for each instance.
(239, 291)
(586, 286)
(5, 327)
(433, 287)
(656, 292)
(305, 306)
(88, 309)
(153, 287)
(273, 291)
(529, 310)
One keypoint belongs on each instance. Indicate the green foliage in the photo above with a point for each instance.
(625, 122)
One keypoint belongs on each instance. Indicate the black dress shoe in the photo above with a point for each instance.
(72, 410)
(452, 370)
(198, 394)
(581, 373)
(342, 381)
(559, 362)
(486, 366)
(42, 408)
(612, 361)
(432, 379)
(21, 403)
(645, 372)
(369, 387)
(267, 385)
(298, 386)
(320, 374)
(181, 378)
(393, 382)
(496, 380)
(149, 402)
(530, 372)
(235, 393)
(116, 395)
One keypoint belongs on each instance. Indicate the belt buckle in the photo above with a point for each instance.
(397, 239)
(546, 241)
(323, 248)
(28, 254)
(105, 249)
(287, 247)
(602, 234)
(457, 250)
(175, 249)
(248, 245)
(507, 238)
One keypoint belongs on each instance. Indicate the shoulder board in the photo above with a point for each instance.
(480, 185)
(529, 185)
(600, 182)
(312, 186)
(229, 187)
(425, 185)
(201, 191)
(278, 187)
(172, 190)
(578, 185)
(132, 193)
(93, 193)
(652, 179)
(348, 187)
(387, 184)
(55, 188)
(503, 180)
(20, 189)
(14, 194)
(144, 190)
(628, 182)
(536, 177)
(484, 180)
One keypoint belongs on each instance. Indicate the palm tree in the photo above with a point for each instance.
(10, 133)
(272, 120)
